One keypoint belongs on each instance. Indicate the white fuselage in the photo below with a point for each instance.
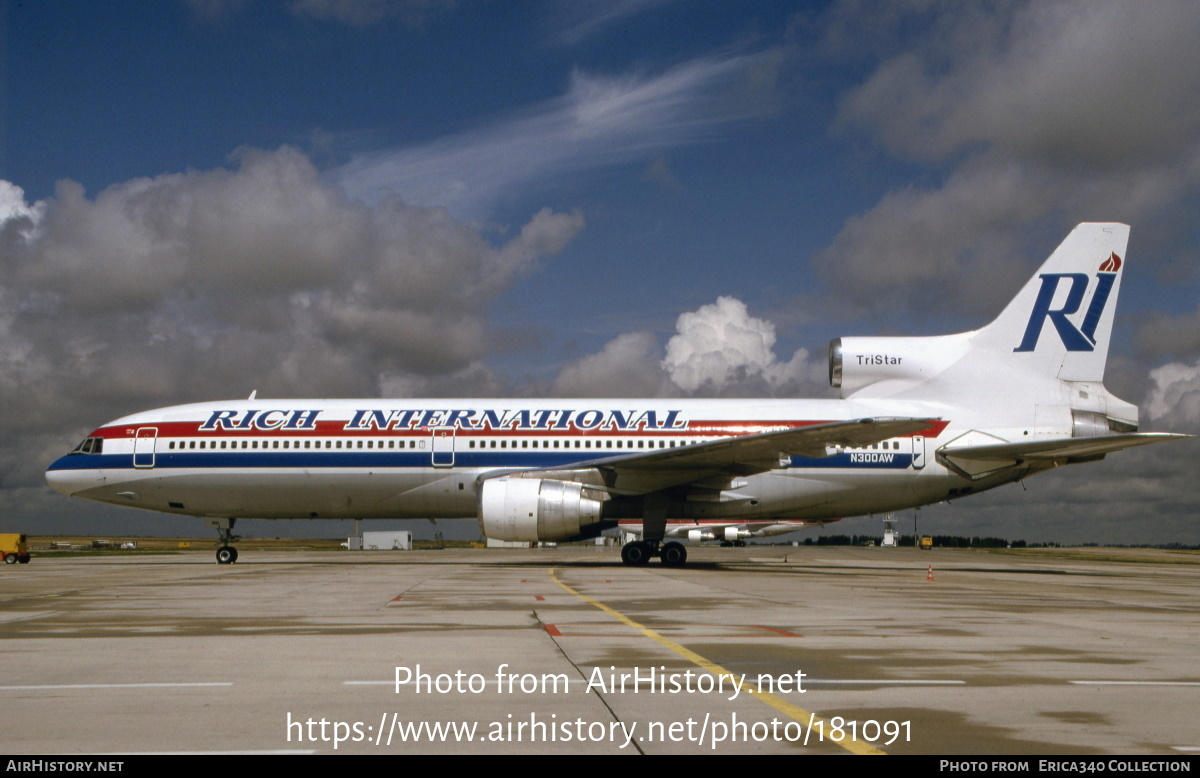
(425, 458)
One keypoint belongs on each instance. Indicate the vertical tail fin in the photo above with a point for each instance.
(1057, 327)
(1060, 322)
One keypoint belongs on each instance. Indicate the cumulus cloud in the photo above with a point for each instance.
(718, 350)
(600, 121)
(1174, 396)
(627, 366)
(209, 284)
(13, 206)
(721, 345)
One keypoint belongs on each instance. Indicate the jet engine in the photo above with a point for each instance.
(890, 365)
(533, 509)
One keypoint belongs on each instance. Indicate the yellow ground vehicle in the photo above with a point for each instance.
(926, 542)
(14, 548)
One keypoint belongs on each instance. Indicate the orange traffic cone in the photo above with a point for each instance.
(929, 575)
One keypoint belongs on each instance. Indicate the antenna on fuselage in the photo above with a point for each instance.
(253, 394)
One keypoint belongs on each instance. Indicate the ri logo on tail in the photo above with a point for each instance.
(1081, 338)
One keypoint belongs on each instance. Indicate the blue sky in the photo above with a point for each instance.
(413, 197)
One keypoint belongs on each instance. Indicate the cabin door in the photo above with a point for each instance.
(918, 452)
(143, 446)
(443, 447)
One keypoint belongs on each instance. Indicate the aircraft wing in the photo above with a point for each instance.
(648, 471)
(979, 460)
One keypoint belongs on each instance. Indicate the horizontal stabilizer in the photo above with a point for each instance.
(976, 461)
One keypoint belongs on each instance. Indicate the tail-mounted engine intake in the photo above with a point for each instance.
(890, 365)
(533, 509)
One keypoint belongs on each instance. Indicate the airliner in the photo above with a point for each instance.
(920, 420)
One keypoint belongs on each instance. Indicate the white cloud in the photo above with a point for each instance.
(721, 345)
(600, 121)
(627, 366)
(14, 208)
(718, 350)
(209, 284)
(1174, 396)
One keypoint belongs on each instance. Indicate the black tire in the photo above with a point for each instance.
(10, 559)
(673, 554)
(636, 553)
(23, 559)
(226, 555)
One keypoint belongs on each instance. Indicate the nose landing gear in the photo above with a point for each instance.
(226, 553)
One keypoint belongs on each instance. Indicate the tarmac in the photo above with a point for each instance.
(821, 650)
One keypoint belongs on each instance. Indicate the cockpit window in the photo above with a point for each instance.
(90, 446)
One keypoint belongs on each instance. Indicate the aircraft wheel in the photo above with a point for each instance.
(235, 554)
(636, 553)
(226, 555)
(23, 559)
(10, 559)
(673, 554)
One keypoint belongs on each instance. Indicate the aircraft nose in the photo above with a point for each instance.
(69, 481)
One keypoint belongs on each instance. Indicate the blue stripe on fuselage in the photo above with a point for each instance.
(855, 460)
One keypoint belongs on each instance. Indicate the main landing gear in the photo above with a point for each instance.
(226, 553)
(640, 552)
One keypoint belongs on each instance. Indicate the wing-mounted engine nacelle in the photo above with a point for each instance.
(890, 365)
(533, 509)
